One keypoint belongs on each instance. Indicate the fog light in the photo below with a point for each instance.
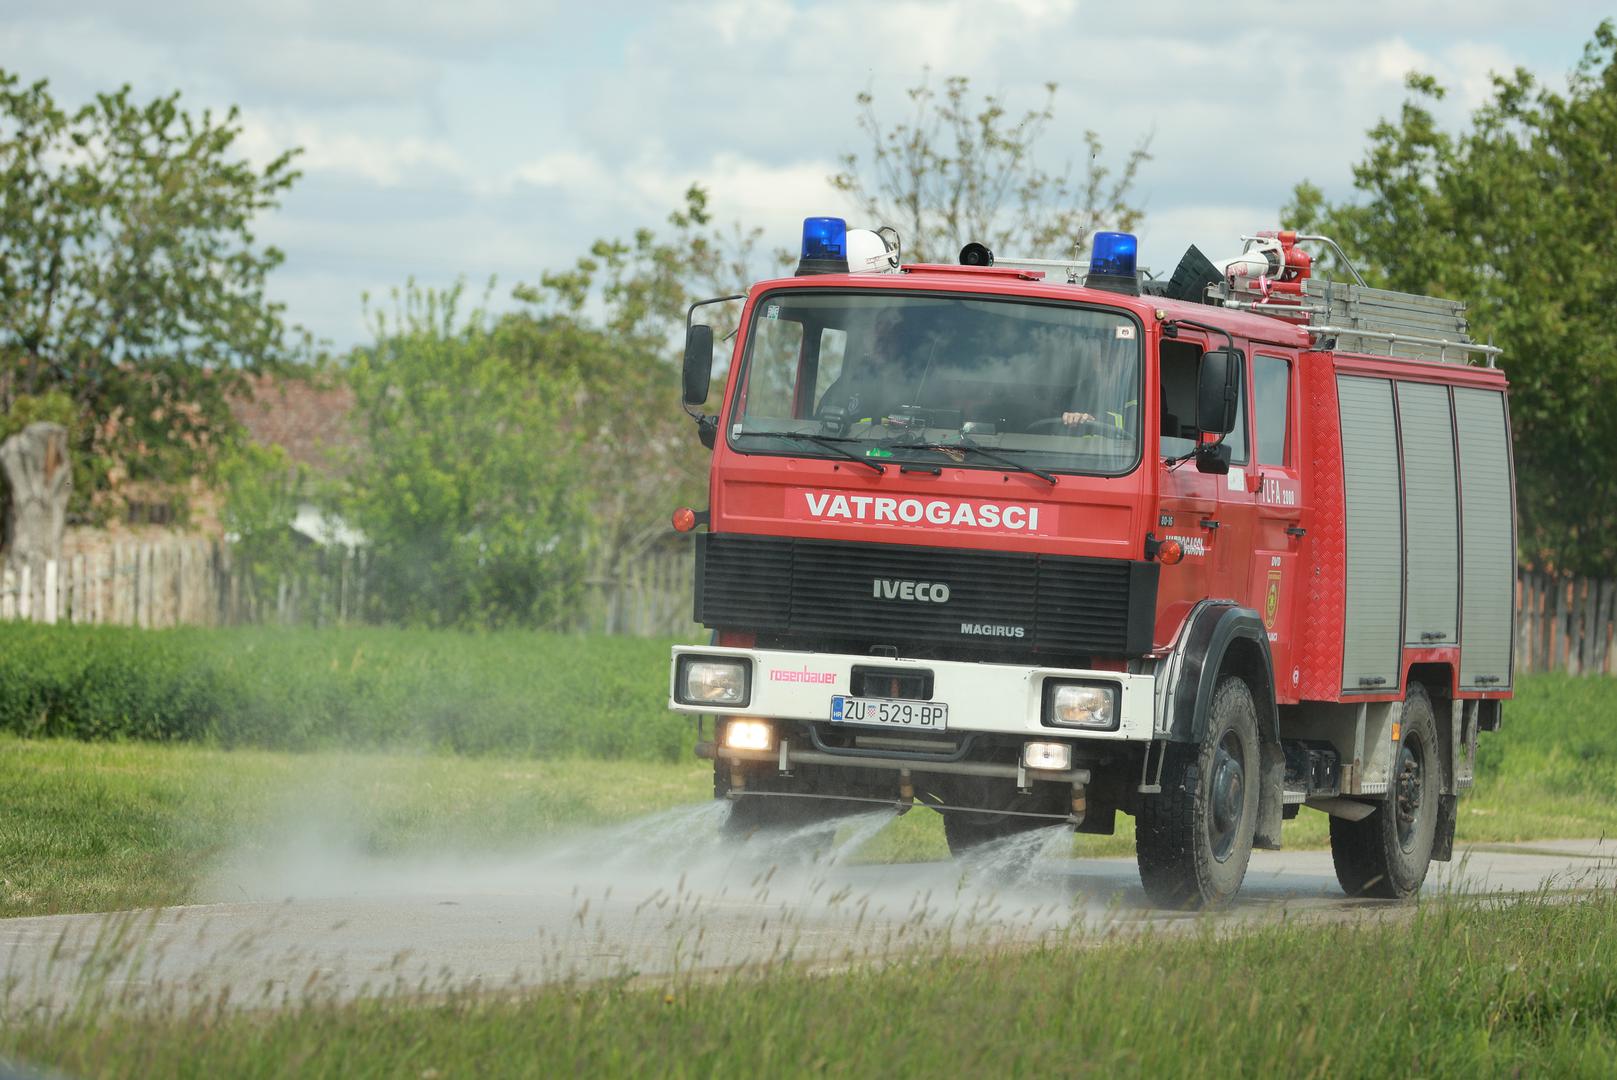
(1087, 705)
(715, 682)
(1052, 756)
(747, 735)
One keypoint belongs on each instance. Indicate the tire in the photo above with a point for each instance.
(965, 832)
(1386, 855)
(1193, 840)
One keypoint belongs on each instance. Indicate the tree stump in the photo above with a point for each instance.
(39, 480)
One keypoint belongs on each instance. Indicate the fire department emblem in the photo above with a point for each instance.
(1271, 603)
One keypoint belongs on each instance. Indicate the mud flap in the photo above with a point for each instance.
(1443, 840)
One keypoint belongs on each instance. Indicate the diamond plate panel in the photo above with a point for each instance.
(1319, 630)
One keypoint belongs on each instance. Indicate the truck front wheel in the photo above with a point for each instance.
(1386, 854)
(1193, 839)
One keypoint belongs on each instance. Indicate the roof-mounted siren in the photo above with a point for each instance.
(1113, 263)
(975, 254)
(825, 246)
(1270, 266)
(830, 247)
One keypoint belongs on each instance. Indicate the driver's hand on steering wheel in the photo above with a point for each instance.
(1071, 419)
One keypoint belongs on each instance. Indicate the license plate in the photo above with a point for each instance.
(890, 712)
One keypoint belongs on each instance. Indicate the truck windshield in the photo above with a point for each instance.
(1057, 385)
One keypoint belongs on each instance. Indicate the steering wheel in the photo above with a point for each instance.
(1082, 427)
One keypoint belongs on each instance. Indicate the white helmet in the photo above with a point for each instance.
(870, 253)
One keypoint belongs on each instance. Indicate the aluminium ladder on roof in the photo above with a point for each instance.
(1376, 322)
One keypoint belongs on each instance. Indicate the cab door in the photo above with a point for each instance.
(1234, 524)
(1274, 480)
(1188, 500)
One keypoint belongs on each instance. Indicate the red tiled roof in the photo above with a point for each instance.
(312, 419)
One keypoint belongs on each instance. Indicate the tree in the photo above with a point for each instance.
(645, 284)
(958, 171)
(130, 278)
(616, 321)
(1515, 216)
(469, 489)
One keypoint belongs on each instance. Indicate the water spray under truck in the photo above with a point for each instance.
(1038, 542)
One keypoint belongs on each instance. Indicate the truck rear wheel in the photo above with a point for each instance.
(1386, 855)
(1193, 839)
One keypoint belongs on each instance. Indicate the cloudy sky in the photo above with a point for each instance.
(477, 137)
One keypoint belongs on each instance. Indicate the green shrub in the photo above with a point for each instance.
(540, 695)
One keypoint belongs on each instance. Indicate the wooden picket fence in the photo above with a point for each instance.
(175, 582)
(651, 597)
(1562, 623)
(178, 581)
(184, 581)
(1565, 624)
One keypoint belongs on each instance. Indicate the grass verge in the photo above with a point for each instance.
(1462, 988)
(105, 826)
(514, 693)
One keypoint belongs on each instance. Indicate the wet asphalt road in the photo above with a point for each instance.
(658, 898)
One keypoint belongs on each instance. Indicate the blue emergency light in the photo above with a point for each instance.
(1114, 254)
(825, 246)
(1112, 263)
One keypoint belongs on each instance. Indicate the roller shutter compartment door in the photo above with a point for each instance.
(1432, 598)
(1487, 538)
(1373, 630)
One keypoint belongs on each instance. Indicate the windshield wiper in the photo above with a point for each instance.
(828, 441)
(968, 446)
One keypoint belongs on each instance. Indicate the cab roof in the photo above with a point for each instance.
(1031, 284)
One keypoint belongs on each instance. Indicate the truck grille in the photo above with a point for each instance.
(825, 588)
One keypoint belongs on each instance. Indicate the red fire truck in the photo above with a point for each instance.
(1038, 542)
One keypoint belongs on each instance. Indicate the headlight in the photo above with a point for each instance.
(1083, 705)
(712, 681)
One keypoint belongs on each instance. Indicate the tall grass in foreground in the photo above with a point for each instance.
(1462, 988)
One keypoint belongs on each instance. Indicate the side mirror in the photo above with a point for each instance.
(1218, 390)
(698, 362)
(1213, 458)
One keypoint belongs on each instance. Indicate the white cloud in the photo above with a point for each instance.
(505, 135)
(571, 170)
(385, 162)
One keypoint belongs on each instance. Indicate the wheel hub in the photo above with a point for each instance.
(1408, 796)
(1228, 796)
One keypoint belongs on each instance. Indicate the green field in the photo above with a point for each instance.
(432, 743)
(511, 693)
(1528, 988)
(478, 742)
(87, 826)
(104, 826)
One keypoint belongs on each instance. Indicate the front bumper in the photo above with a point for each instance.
(997, 699)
